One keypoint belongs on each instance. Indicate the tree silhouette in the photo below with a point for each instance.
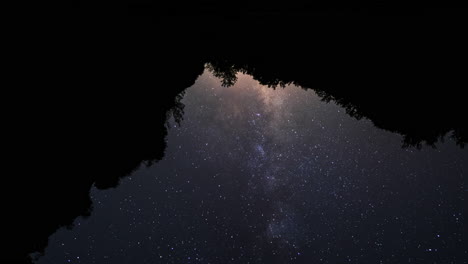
(109, 95)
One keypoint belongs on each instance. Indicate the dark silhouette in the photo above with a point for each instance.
(113, 92)
(405, 99)
(94, 132)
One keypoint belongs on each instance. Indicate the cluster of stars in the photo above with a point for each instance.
(256, 175)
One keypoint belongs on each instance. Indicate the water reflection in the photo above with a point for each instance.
(257, 175)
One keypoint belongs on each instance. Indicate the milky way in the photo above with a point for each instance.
(261, 175)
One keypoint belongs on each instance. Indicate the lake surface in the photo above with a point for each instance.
(254, 174)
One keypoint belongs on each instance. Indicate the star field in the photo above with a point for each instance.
(261, 175)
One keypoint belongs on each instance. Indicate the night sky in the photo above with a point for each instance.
(261, 175)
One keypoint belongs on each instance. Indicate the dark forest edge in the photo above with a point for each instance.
(420, 117)
(110, 93)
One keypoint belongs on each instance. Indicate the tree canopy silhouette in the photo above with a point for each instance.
(112, 92)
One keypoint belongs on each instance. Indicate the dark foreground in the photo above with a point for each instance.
(112, 81)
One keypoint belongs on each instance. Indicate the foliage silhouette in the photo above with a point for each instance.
(112, 92)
